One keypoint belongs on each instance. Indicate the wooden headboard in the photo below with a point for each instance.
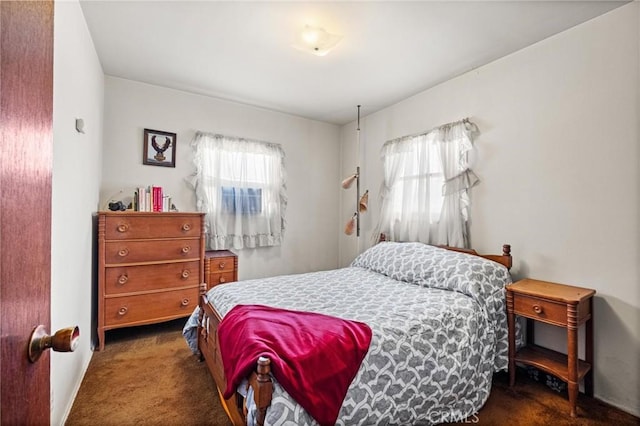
(504, 258)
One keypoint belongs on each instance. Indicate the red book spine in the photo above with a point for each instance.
(154, 193)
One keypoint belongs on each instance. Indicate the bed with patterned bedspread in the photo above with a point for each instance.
(439, 331)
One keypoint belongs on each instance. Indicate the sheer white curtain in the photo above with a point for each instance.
(425, 189)
(240, 184)
(455, 141)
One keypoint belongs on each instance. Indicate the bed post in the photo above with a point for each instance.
(262, 386)
(201, 330)
(504, 258)
(506, 255)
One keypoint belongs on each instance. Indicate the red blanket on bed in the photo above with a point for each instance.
(314, 357)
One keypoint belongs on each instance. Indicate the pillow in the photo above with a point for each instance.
(435, 267)
(399, 261)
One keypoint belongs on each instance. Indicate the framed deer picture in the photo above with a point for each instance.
(159, 148)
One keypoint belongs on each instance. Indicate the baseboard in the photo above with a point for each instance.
(628, 410)
(76, 389)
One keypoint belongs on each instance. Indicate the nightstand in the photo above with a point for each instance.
(220, 266)
(561, 305)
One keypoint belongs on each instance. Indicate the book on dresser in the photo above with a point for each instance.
(150, 267)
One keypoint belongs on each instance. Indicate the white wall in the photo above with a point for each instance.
(311, 149)
(558, 160)
(78, 86)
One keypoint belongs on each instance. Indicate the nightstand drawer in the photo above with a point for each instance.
(540, 309)
(220, 278)
(220, 264)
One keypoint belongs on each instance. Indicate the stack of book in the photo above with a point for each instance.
(151, 199)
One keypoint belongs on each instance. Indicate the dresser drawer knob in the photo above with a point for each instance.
(186, 249)
(122, 279)
(222, 280)
(123, 252)
(123, 227)
(185, 273)
(186, 227)
(221, 265)
(185, 302)
(123, 311)
(537, 309)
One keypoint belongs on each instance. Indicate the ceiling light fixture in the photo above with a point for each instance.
(316, 40)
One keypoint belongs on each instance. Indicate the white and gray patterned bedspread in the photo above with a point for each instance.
(439, 331)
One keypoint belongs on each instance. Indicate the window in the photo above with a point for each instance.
(426, 180)
(247, 201)
(422, 172)
(240, 185)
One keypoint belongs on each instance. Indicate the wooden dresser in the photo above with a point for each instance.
(221, 266)
(150, 267)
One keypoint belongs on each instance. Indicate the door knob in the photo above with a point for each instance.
(64, 340)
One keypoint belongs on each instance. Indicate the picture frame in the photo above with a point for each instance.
(159, 148)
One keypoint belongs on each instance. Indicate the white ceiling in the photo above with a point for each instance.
(242, 51)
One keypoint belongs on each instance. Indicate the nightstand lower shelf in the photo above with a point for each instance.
(550, 361)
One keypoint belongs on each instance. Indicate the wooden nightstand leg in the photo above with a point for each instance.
(573, 397)
(572, 356)
(512, 350)
(511, 319)
(588, 351)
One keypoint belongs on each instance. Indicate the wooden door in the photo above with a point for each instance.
(26, 151)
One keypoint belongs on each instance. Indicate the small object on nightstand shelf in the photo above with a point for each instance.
(561, 305)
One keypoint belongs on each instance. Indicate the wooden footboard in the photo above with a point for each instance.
(260, 379)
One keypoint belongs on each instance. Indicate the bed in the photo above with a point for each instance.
(438, 334)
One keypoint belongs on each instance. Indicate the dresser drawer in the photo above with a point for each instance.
(151, 251)
(540, 309)
(131, 279)
(150, 307)
(220, 278)
(160, 226)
